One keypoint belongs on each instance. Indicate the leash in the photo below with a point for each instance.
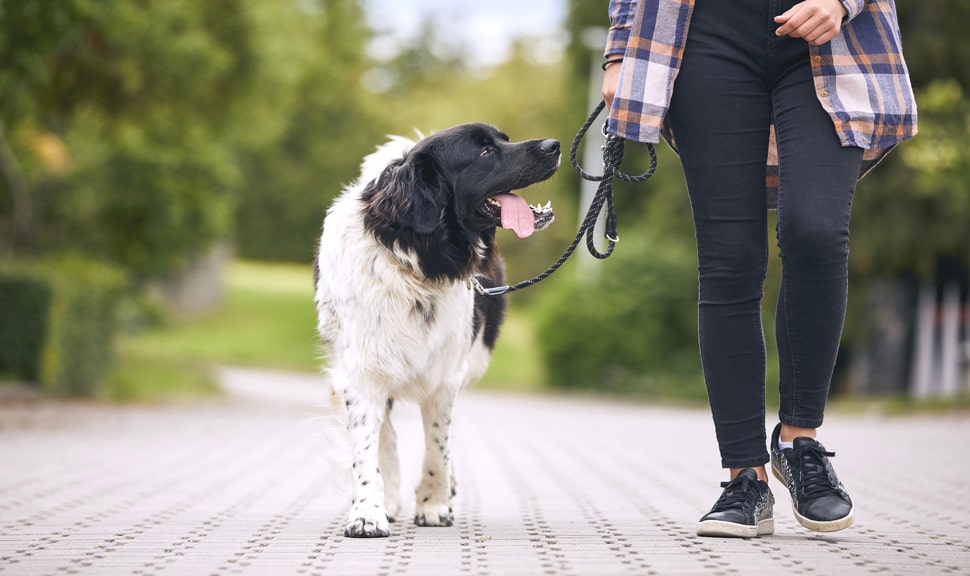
(603, 199)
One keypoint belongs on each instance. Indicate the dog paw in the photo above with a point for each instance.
(392, 507)
(367, 525)
(434, 515)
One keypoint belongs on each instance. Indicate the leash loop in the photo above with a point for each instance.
(602, 200)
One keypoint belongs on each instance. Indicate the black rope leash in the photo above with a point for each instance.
(603, 199)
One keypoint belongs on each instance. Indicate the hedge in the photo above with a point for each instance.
(24, 303)
(58, 322)
(630, 329)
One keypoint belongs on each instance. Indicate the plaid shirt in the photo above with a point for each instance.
(860, 75)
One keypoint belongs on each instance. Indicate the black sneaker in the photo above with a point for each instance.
(818, 498)
(744, 509)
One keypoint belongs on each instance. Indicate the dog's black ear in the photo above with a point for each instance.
(413, 194)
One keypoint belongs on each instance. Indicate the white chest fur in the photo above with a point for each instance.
(381, 320)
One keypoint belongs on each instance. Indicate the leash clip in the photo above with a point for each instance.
(495, 291)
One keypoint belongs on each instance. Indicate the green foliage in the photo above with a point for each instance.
(631, 328)
(80, 321)
(30, 31)
(287, 186)
(23, 326)
(142, 196)
(150, 105)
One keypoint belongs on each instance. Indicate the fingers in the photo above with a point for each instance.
(815, 21)
(821, 35)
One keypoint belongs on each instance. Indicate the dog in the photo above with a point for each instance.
(397, 313)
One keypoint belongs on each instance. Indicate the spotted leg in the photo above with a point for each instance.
(365, 416)
(390, 467)
(433, 494)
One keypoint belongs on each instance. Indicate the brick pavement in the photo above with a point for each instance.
(547, 485)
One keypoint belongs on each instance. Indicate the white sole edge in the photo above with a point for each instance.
(732, 530)
(830, 526)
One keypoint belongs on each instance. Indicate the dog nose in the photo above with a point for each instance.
(549, 146)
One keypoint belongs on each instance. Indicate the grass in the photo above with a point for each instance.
(140, 378)
(267, 320)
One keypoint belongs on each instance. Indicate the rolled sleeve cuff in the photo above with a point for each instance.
(853, 7)
(616, 42)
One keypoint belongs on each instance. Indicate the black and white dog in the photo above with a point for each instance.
(397, 313)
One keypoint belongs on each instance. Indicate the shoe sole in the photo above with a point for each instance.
(731, 530)
(816, 525)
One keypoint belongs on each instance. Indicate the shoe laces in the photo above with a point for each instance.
(738, 493)
(813, 471)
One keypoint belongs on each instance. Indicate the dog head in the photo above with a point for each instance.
(452, 189)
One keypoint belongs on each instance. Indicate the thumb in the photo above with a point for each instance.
(610, 80)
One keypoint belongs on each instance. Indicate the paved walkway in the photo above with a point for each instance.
(546, 486)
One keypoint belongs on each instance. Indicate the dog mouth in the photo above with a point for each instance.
(514, 213)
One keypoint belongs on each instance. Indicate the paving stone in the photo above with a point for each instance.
(251, 484)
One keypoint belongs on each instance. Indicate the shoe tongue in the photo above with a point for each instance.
(749, 474)
(516, 215)
(804, 442)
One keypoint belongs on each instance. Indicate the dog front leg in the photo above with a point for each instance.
(368, 517)
(390, 466)
(433, 494)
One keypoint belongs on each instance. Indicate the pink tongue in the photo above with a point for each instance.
(516, 215)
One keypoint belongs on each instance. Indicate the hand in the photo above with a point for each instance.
(611, 78)
(815, 21)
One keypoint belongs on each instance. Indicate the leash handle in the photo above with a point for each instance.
(603, 199)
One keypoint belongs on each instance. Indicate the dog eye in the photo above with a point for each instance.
(486, 151)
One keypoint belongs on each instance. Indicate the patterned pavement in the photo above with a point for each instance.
(546, 486)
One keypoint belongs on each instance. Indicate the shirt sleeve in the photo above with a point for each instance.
(622, 14)
(853, 7)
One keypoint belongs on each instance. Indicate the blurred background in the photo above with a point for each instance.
(165, 167)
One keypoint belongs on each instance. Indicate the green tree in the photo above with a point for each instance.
(287, 185)
(149, 104)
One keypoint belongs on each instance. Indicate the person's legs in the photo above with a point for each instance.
(719, 114)
(736, 78)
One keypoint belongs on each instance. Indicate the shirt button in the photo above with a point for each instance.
(824, 94)
(818, 58)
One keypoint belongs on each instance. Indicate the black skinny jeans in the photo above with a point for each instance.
(737, 78)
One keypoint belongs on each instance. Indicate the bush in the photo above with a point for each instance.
(61, 319)
(23, 326)
(632, 329)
